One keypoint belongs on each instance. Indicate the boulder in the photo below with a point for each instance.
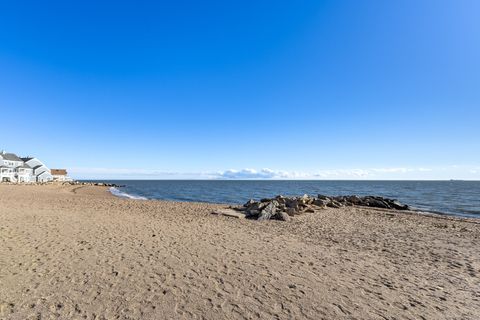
(283, 216)
(305, 199)
(252, 213)
(280, 199)
(398, 206)
(292, 203)
(377, 203)
(320, 203)
(310, 210)
(354, 200)
(258, 206)
(269, 211)
(334, 204)
(291, 211)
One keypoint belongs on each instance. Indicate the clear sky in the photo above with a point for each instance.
(249, 89)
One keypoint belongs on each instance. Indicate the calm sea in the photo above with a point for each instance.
(461, 198)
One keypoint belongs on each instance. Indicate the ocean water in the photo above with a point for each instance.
(460, 198)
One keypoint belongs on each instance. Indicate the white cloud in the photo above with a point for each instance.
(451, 172)
(247, 174)
(391, 170)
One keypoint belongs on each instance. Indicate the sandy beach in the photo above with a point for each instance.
(73, 252)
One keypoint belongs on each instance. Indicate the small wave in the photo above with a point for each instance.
(121, 194)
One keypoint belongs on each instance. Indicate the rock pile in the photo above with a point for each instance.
(282, 208)
(65, 183)
(99, 184)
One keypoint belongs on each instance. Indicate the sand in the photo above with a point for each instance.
(79, 253)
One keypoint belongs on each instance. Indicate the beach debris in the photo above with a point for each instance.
(229, 213)
(282, 207)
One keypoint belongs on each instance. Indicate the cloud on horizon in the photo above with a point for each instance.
(400, 173)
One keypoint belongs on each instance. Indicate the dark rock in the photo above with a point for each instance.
(320, 202)
(283, 216)
(291, 203)
(291, 211)
(310, 210)
(252, 213)
(376, 203)
(257, 206)
(353, 200)
(334, 204)
(269, 211)
(398, 206)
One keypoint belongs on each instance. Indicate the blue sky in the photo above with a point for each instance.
(243, 89)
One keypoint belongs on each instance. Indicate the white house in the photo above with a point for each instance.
(9, 162)
(25, 173)
(23, 170)
(7, 174)
(60, 175)
(40, 170)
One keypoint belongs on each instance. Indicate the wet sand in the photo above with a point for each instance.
(73, 252)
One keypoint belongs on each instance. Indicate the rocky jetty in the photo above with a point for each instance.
(65, 183)
(99, 184)
(283, 208)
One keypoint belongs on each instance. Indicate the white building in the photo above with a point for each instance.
(60, 175)
(23, 170)
(40, 170)
(25, 174)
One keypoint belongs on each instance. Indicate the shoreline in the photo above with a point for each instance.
(81, 252)
(99, 183)
(120, 192)
(412, 210)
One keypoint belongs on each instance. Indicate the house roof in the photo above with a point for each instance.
(25, 166)
(27, 159)
(10, 157)
(58, 172)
